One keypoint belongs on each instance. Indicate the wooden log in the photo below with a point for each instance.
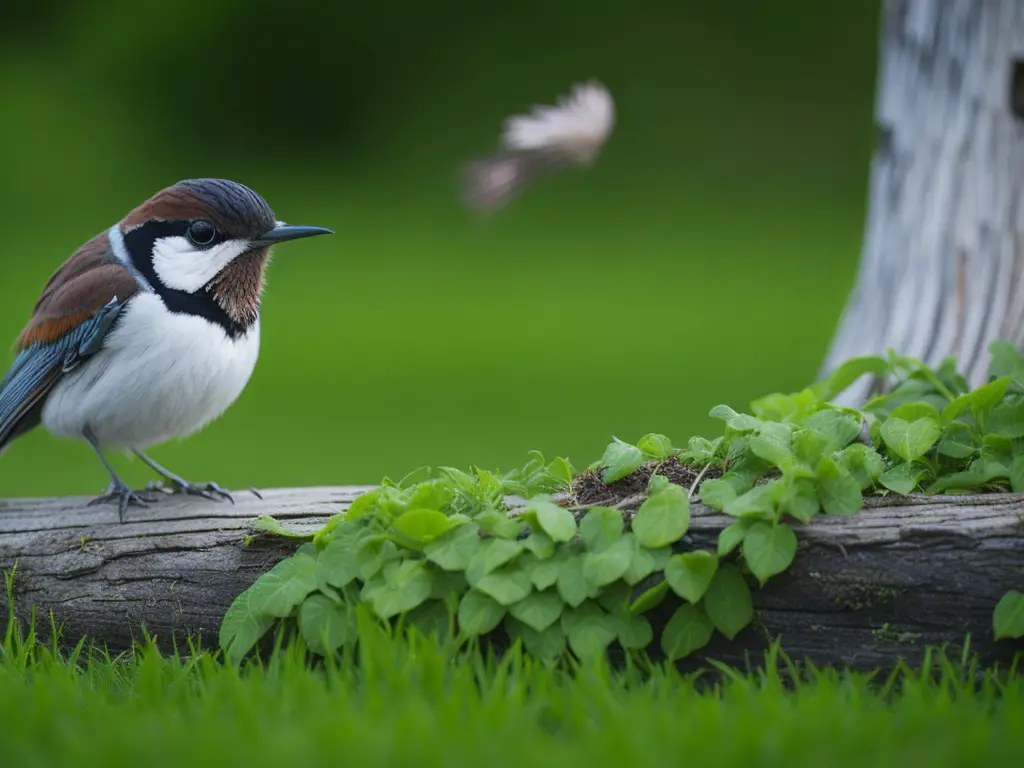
(863, 591)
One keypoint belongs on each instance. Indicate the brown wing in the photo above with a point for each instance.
(70, 319)
(76, 292)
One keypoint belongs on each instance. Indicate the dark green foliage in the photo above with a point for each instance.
(442, 541)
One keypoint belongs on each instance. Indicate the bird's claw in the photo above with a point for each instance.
(211, 491)
(123, 495)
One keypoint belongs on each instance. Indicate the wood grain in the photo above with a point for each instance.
(864, 590)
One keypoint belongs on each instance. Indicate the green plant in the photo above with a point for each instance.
(441, 550)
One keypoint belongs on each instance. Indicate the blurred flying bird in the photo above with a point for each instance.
(150, 330)
(547, 140)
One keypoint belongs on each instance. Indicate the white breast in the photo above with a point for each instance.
(159, 376)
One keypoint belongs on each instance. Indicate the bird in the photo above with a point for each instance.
(150, 330)
(547, 140)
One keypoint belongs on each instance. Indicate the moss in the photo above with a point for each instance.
(855, 593)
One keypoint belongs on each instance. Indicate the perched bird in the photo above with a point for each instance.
(150, 330)
(545, 141)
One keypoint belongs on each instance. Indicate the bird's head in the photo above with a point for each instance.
(207, 236)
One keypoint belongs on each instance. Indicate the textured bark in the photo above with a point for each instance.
(942, 269)
(931, 569)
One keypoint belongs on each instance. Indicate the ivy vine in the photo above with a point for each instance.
(567, 570)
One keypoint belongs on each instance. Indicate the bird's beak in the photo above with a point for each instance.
(284, 232)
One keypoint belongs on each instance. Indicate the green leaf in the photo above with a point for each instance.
(997, 448)
(656, 446)
(544, 573)
(838, 492)
(589, 629)
(728, 602)
(620, 459)
(910, 440)
(539, 610)
(363, 504)
(740, 422)
(1008, 617)
(810, 446)
(651, 598)
(540, 544)
(913, 411)
(745, 466)
(325, 624)
(280, 590)
(959, 440)
(557, 522)
(980, 402)
(634, 630)
(479, 613)
(600, 528)
(406, 585)
(422, 525)
(657, 483)
(1007, 418)
(272, 526)
(454, 549)
(700, 450)
(716, 493)
(663, 519)
(548, 646)
(508, 584)
(242, 627)
(800, 499)
(979, 474)
(336, 565)
(1005, 360)
(769, 550)
(490, 556)
(644, 562)
(431, 619)
(690, 574)
(373, 554)
(903, 478)
(434, 494)
(608, 565)
(775, 452)
(572, 585)
(1017, 475)
(444, 583)
(793, 408)
(732, 536)
(838, 427)
(863, 463)
(687, 631)
(847, 373)
(561, 470)
(758, 503)
(500, 525)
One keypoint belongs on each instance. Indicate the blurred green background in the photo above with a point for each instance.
(704, 259)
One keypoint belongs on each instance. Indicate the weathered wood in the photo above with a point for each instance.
(864, 590)
(942, 267)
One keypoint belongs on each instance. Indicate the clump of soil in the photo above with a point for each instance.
(589, 490)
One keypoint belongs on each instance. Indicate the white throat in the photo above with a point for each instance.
(181, 266)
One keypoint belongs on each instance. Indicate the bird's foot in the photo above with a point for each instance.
(175, 485)
(122, 494)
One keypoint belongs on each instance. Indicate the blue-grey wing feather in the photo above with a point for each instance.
(37, 368)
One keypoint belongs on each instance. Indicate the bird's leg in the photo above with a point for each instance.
(117, 490)
(208, 491)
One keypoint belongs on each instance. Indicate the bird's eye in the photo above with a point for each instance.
(201, 232)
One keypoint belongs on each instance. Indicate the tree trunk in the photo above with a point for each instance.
(942, 269)
(864, 590)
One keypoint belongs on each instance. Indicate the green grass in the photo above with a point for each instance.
(407, 701)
